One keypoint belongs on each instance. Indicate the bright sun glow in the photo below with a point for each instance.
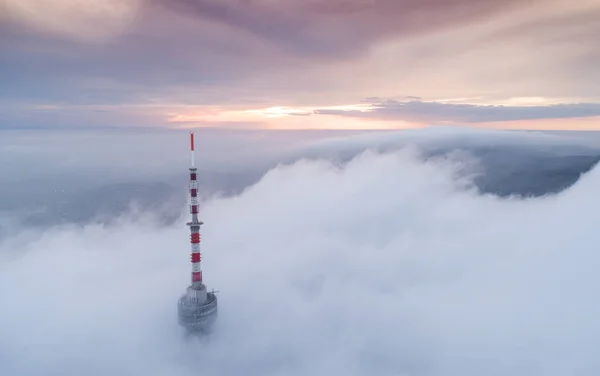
(279, 111)
(273, 112)
(280, 117)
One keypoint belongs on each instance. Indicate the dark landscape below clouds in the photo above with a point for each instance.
(79, 197)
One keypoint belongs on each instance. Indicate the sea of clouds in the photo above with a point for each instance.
(386, 264)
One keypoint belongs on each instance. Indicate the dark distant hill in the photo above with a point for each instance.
(501, 169)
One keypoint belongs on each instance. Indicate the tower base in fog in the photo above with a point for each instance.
(197, 310)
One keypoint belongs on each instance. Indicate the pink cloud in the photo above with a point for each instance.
(265, 53)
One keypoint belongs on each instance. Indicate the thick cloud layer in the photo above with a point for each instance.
(339, 27)
(387, 265)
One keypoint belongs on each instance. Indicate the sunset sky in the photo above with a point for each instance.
(299, 64)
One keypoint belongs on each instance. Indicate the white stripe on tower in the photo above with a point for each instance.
(195, 224)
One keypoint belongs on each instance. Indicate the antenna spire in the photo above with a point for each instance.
(195, 223)
(192, 149)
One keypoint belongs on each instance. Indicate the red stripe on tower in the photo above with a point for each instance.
(195, 238)
(195, 257)
(197, 277)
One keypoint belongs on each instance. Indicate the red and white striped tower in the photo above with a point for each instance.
(197, 308)
(197, 290)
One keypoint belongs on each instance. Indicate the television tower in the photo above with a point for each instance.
(197, 308)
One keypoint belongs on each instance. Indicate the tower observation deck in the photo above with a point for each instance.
(197, 308)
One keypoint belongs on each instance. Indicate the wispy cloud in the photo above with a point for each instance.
(83, 20)
(437, 112)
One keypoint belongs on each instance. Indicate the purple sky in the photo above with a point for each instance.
(337, 63)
